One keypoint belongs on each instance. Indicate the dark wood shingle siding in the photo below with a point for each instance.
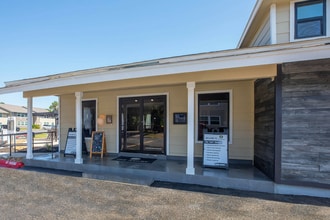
(306, 122)
(264, 145)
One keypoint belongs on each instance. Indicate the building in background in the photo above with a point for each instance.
(41, 116)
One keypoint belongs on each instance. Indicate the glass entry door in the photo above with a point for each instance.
(142, 124)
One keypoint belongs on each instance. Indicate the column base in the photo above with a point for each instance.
(29, 156)
(190, 171)
(78, 161)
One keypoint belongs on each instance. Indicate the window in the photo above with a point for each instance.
(21, 115)
(310, 19)
(213, 113)
(88, 117)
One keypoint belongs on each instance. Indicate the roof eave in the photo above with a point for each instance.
(250, 21)
(237, 58)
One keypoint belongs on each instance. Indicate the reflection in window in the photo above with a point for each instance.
(309, 19)
(89, 117)
(213, 113)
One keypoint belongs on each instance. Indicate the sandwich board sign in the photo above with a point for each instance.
(70, 146)
(215, 150)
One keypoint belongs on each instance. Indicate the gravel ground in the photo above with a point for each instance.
(27, 194)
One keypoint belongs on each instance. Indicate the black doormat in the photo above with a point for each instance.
(135, 159)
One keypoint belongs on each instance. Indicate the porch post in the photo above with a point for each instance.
(29, 153)
(190, 128)
(78, 159)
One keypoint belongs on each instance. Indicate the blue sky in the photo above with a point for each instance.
(43, 37)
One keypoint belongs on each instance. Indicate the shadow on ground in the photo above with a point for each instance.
(240, 193)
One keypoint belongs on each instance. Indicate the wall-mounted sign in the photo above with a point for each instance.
(180, 118)
(215, 150)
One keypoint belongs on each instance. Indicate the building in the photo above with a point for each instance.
(41, 116)
(3, 117)
(270, 96)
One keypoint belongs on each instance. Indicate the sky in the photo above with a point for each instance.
(44, 37)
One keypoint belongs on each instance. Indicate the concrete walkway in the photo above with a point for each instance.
(243, 177)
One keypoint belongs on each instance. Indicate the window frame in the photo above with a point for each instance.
(293, 23)
(230, 112)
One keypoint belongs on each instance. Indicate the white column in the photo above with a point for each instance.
(190, 128)
(29, 151)
(78, 159)
(273, 32)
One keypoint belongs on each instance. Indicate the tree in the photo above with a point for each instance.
(53, 107)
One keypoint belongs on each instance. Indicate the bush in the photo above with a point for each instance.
(35, 126)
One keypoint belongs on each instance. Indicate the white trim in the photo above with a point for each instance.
(143, 95)
(328, 18)
(273, 24)
(292, 22)
(59, 123)
(117, 127)
(167, 124)
(29, 150)
(78, 108)
(190, 170)
(231, 124)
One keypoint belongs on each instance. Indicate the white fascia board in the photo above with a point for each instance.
(194, 63)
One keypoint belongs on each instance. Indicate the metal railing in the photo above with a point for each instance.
(42, 141)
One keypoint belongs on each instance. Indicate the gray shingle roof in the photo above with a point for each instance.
(13, 108)
(19, 109)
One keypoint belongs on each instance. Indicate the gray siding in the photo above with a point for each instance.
(264, 145)
(305, 149)
(263, 37)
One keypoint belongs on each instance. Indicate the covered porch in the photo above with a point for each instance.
(181, 93)
(238, 176)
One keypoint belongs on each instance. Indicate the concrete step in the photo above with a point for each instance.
(123, 178)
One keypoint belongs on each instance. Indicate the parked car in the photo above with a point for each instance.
(48, 127)
(6, 127)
